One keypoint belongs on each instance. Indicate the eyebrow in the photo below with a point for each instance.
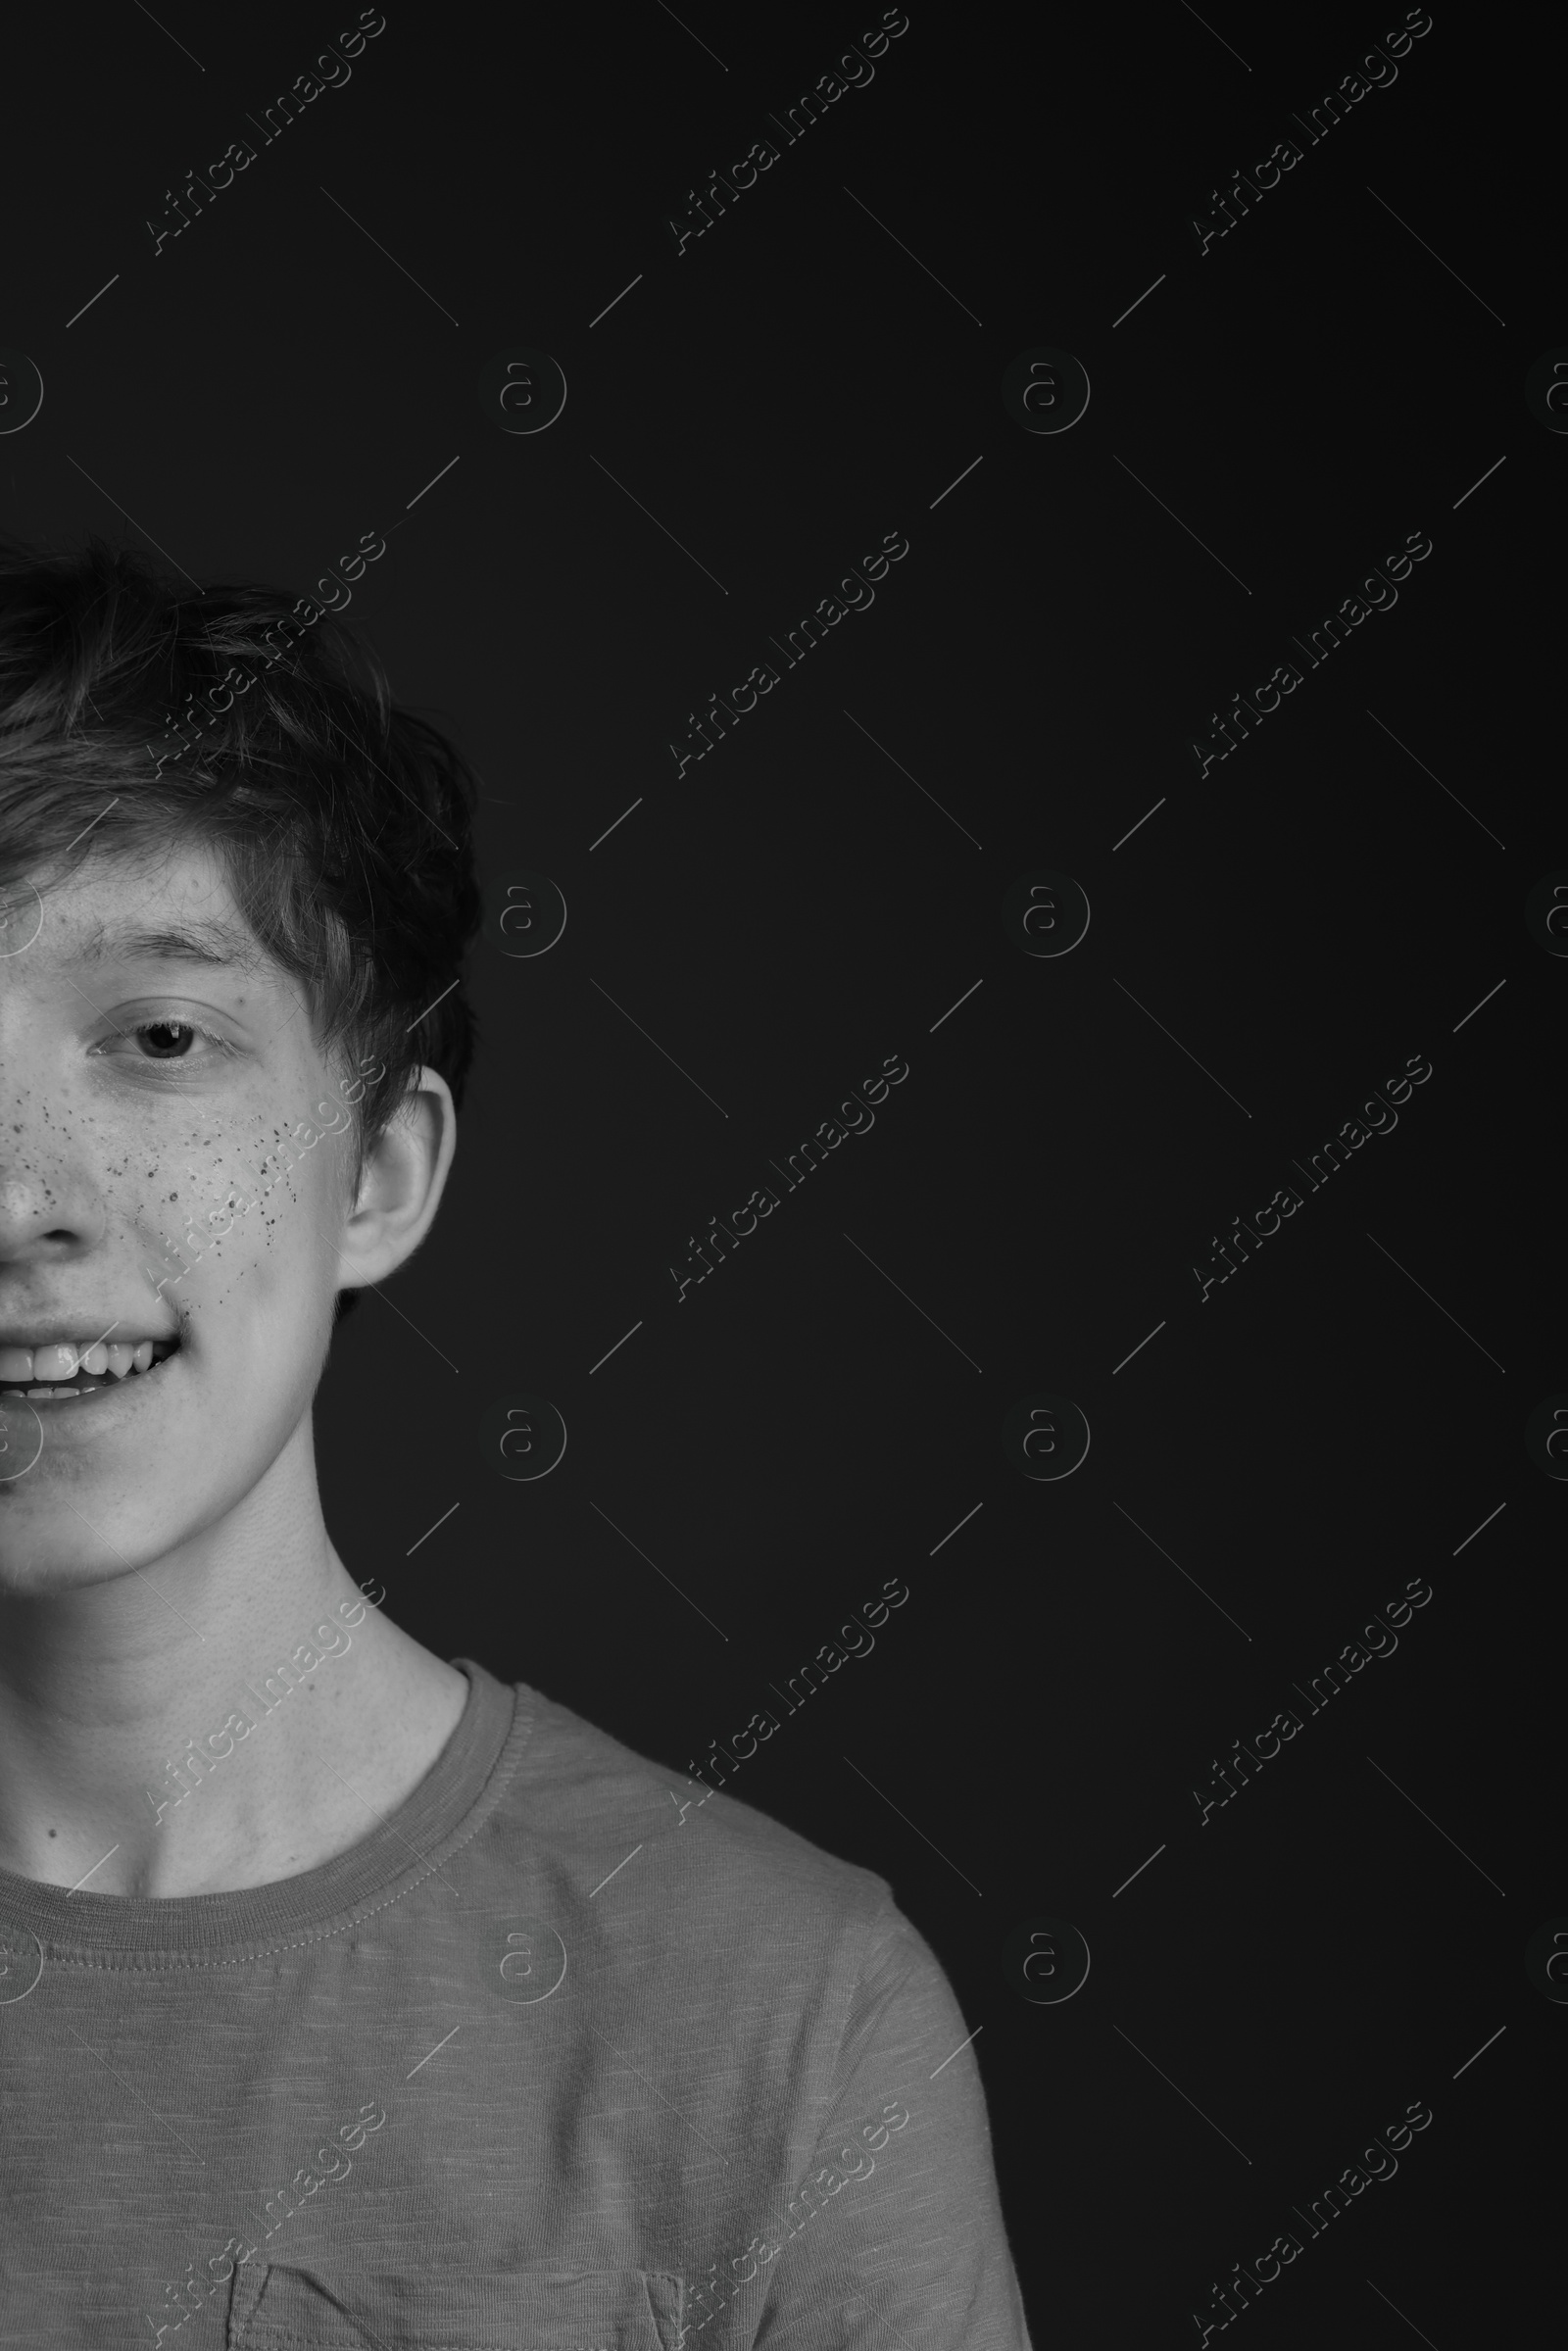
(212, 944)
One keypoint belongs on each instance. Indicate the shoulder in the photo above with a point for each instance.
(592, 1803)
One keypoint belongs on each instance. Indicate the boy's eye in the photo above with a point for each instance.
(168, 1040)
(168, 1037)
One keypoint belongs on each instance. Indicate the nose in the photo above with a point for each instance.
(47, 1216)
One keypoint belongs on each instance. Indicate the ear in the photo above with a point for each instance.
(401, 1185)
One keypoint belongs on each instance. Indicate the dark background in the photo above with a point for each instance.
(1272, 943)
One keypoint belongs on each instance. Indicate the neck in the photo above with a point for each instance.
(231, 1713)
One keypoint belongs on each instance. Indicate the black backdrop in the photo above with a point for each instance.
(1272, 936)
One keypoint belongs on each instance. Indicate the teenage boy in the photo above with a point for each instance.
(349, 1995)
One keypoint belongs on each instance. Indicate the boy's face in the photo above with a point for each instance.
(109, 1141)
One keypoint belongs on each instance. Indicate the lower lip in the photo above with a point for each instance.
(62, 1408)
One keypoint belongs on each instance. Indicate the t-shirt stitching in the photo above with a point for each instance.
(503, 1772)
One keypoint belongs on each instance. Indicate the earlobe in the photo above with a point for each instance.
(402, 1181)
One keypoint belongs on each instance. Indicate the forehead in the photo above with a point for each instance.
(121, 908)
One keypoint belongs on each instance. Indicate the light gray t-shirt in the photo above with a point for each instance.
(547, 2063)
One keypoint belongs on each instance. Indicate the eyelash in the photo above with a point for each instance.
(176, 1020)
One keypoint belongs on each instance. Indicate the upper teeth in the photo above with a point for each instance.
(64, 1362)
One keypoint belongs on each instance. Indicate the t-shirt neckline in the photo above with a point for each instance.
(408, 1846)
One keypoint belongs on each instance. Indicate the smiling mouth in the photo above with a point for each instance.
(88, 1382)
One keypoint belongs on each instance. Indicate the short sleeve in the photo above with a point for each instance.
(895, 2229)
